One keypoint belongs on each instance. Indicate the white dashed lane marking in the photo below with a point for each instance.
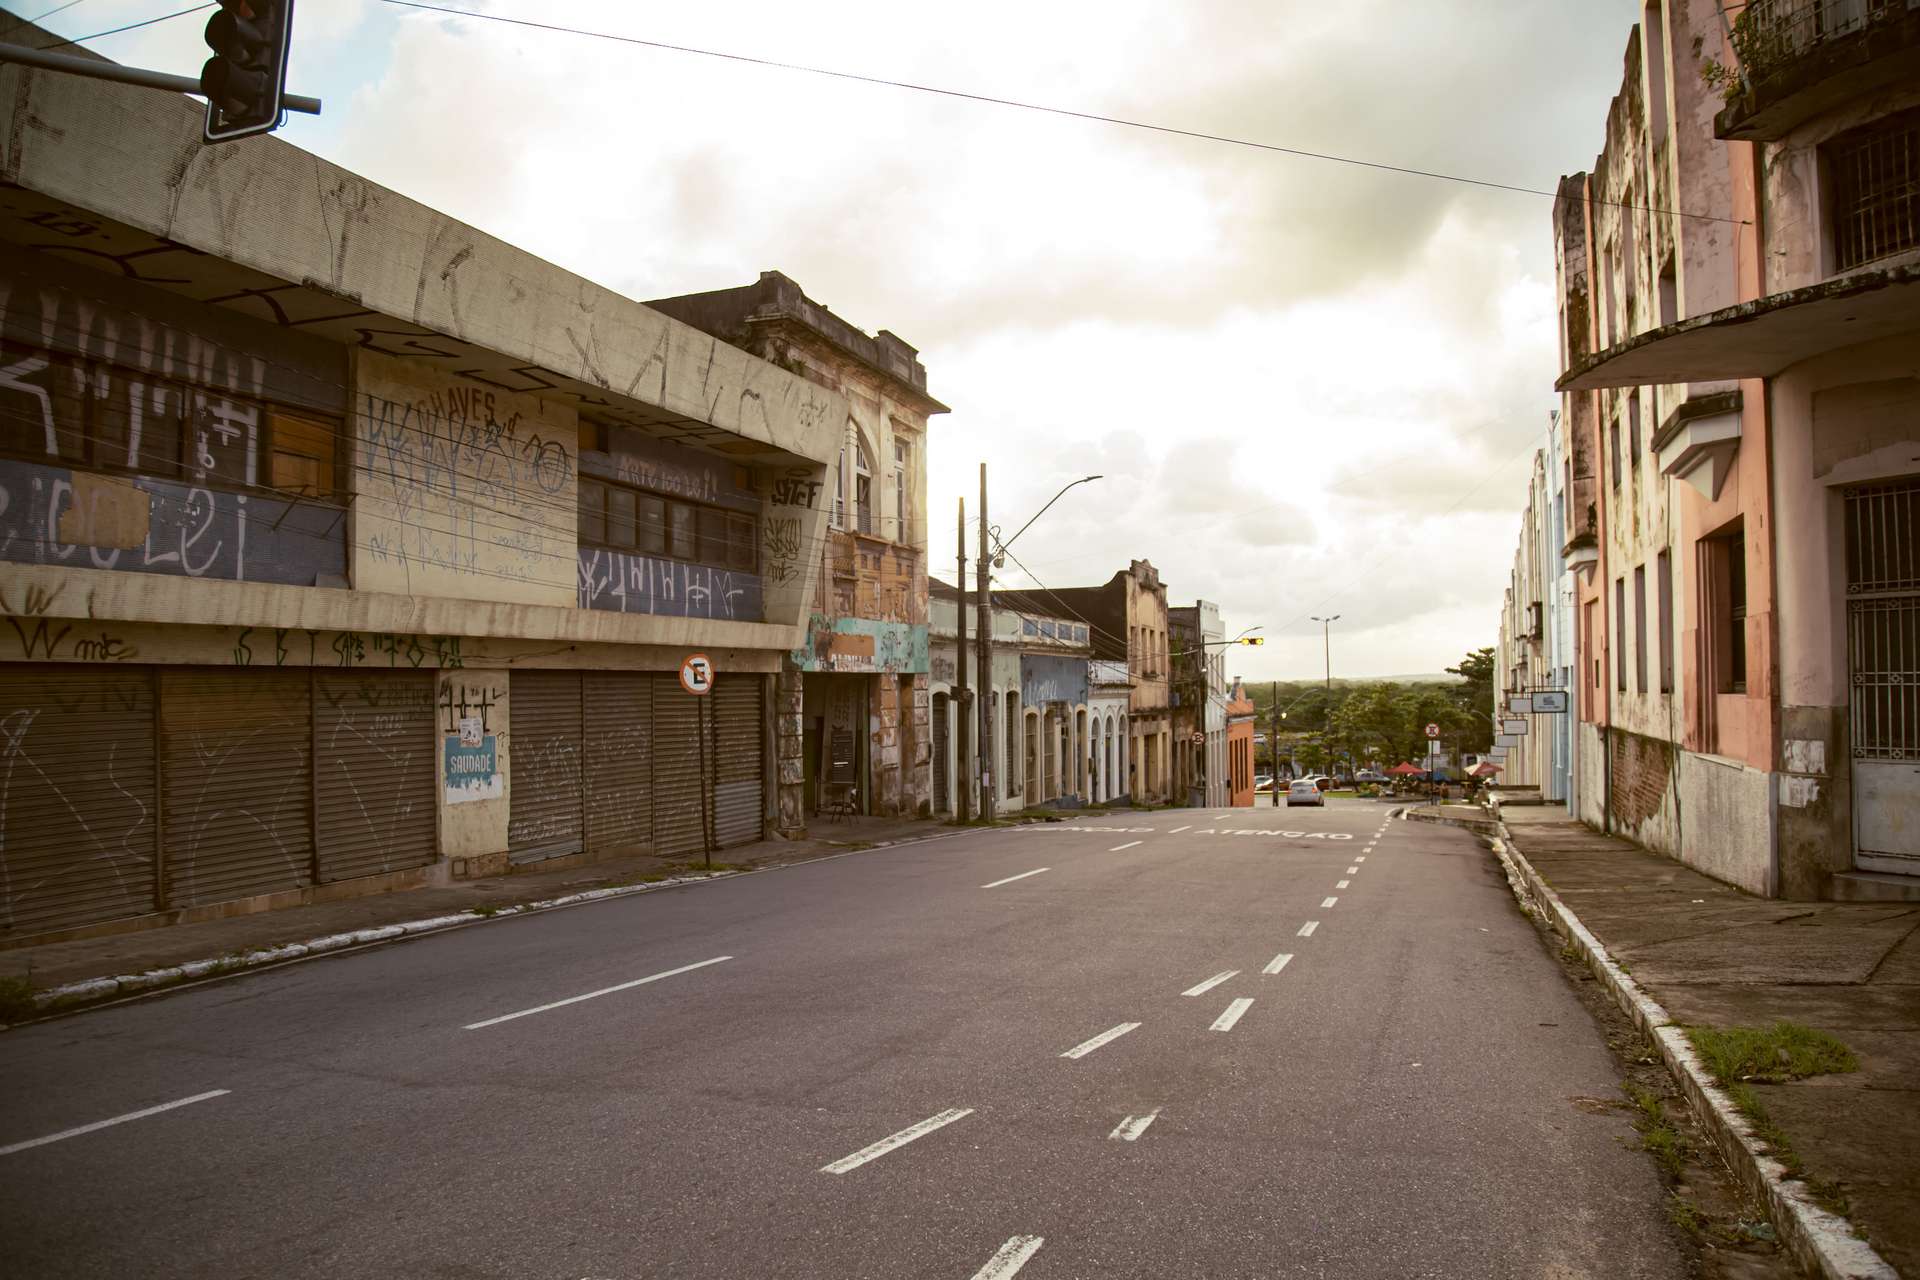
(1210, 983)
(1233, 1013)
(1086, 1047)
(1133, 1126)
(1341, 884)
(1353, 871)
(1177, 830)
(1128, 845)
(1328, 902)
(1010, 879)
(75, 1132)
(1011, 1257)
(1306, 930)
(1278, 963)
(848, 1164)
(594, 995)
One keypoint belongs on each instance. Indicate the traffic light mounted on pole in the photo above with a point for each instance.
(246, 77)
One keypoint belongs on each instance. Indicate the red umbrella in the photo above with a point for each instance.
(1486, 769)
(1405, 770)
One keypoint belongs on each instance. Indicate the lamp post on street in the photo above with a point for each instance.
(993, 555)
(1326, 637)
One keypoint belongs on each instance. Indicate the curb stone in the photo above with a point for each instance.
(1823, 1243)
(74, 996)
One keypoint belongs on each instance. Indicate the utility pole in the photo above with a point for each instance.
(963, 799)
(1273, 741)
(988, 804)
(1326, 635)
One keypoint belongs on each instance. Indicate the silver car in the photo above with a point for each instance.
(1305, 791)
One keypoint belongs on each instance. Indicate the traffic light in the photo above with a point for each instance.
(1254, 640)
(244, 79)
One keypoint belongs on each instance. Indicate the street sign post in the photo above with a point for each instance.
(1433, 730)
(696, 673)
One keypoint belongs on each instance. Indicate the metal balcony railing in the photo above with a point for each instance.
(1770, 35)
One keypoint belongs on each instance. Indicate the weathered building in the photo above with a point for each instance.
(1128, 617)
(1198, 661)
(1239, 714)
(1534, 653)
(344, 547)
(859, 680)
(1740, 308)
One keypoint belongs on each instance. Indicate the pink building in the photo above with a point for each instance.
(1740, 317)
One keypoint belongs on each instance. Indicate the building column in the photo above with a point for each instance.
(789, 756)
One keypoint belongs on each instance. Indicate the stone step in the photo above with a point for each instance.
(1875, 886)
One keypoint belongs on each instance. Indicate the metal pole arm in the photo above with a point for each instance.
(94, 69)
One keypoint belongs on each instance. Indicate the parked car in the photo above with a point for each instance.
(1305, 791)
(1372, 777)
(1262, 783)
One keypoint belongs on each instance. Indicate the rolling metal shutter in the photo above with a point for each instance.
(940, 762)
(679, 770)
(76, 797)
(236, 755)
(738, 797)
(374, 743)
(543, 765)
(619, 740)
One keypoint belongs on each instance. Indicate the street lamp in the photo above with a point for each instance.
(1326, 636)
(997, 558)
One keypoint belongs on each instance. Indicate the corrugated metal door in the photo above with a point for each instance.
(76, 797)
(543, 765)
(940, 761)
(237, 761)
(374, 742)
(619, 752)
(679, 770)
(738, 796)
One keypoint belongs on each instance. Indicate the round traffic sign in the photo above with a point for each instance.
(696, 673)
(1433, 731)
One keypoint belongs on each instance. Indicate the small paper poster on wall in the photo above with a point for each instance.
(472, 768)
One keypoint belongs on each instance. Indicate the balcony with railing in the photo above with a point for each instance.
(1798, 59)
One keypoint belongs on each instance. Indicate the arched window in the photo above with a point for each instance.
(863, 499)
(840, 490)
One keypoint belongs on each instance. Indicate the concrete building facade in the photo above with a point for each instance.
(857, 685)
(1198, 660)
(1740, 306)
(1239, 713)
(1534, 653)
(344, 547)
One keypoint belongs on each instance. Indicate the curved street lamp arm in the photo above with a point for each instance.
(1002, 546)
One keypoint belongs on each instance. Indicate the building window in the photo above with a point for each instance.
(1663, 587)
(1620, 632)
(623, 519)
(1874, 175)
(840, 491)
(902, 464)
(1640, 627)
(1633, 428)
(1613, 427)
(1724, 580)
(1669, 293)
(862, 488)
(60, 409)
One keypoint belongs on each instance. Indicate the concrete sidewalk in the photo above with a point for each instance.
(1714, 956)
(60, 964)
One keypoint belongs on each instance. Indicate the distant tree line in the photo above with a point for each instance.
(1379, 722)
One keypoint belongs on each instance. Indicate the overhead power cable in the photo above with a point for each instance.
(1069, 112)
(132, 26)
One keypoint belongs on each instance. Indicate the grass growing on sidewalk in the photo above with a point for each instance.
(1657, 1137)
(1739, 1056)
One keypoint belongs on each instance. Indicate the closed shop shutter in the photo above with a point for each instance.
(236, 755)
(76, 811)
(679, 784)
(374, 743)
(543, 765)
(738, 800)
(619, 751)
(940, 762)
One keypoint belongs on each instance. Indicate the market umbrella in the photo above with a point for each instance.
(1405, 770)
(1486, 769)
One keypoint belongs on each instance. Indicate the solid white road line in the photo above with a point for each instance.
(1133, 1126)
(1013, 1255)
(1210, 983)
(848, 1164)
(1128, 845)
(1226, 1020)
(1086, 1047)
(1010, 879)
(1279, 962)
(1177, 830)
(64, 1134)
(591, 995)
(1306, 930)
(1341, 884)
(1327, 902)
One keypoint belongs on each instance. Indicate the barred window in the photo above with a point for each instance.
(1875, 177)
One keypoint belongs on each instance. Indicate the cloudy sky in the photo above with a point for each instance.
(1311, 388)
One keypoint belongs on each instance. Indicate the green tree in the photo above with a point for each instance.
(1474, 698)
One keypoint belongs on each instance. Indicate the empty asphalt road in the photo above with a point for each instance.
(1250, 1043)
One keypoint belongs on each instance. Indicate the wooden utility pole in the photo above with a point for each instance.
(1273, 743)
(963, 797)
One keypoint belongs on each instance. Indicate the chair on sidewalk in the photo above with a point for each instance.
(842, 790)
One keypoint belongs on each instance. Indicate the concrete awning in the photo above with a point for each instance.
(1758, 339)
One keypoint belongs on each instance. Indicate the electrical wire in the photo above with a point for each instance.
(1068, 112)
(38, 18)
(133, 26)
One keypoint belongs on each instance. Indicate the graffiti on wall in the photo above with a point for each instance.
(863, 645)
(54, 516)
(626, 582)
(1046, 679)
(462, 485)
